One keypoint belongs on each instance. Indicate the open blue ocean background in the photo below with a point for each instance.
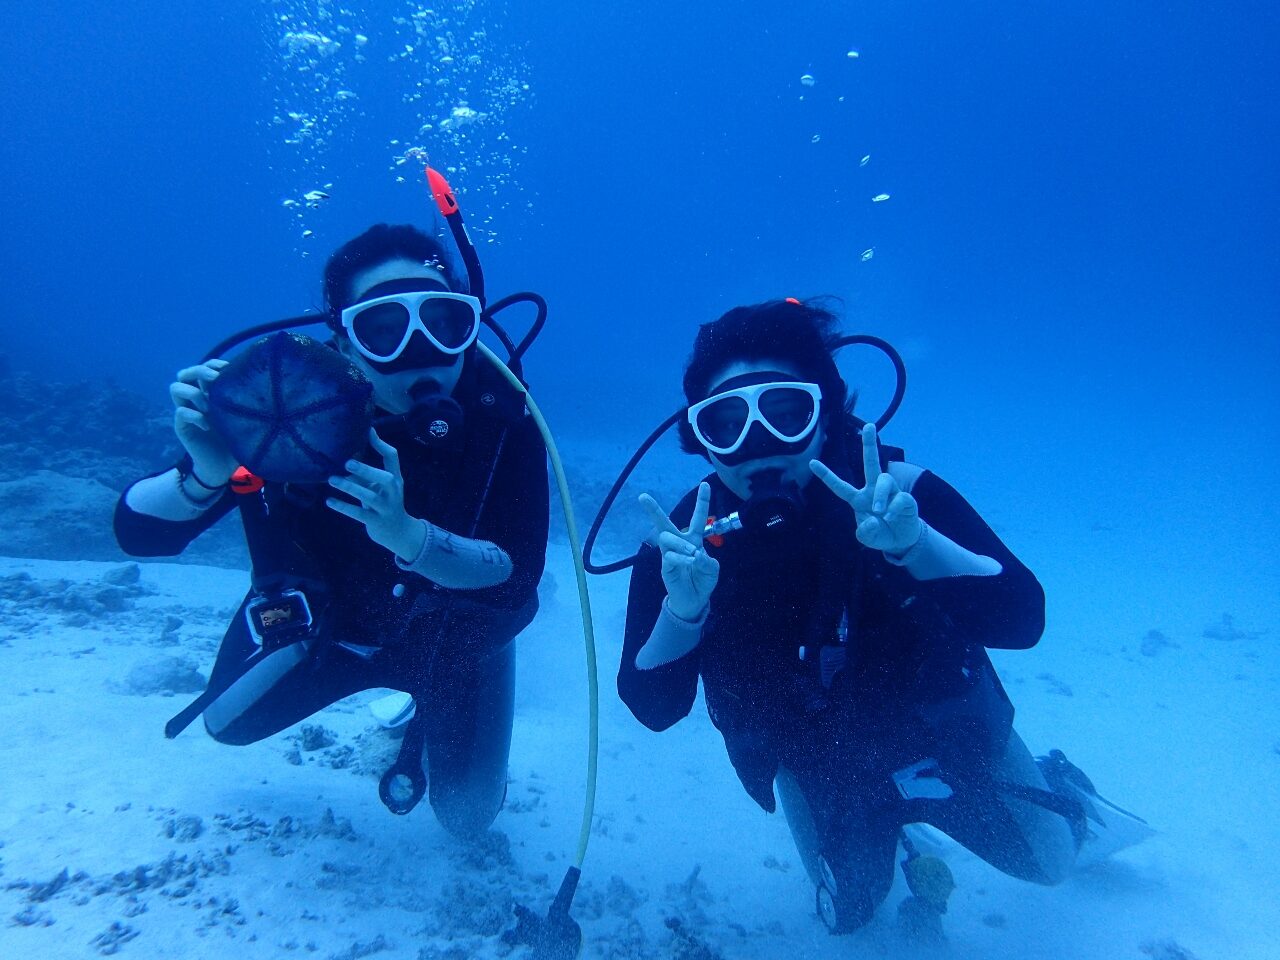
(1079, 257)
(1077, 253)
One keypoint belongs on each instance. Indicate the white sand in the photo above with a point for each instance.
(1187, 736)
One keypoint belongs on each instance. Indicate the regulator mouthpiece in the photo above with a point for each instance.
(773, 505)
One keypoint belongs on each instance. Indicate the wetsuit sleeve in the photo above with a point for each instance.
(664, 695)
(141, 535)
(516, 516)
(1003, 611)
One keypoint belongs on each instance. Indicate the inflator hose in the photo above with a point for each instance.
(584, 602)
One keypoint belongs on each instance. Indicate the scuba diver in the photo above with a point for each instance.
(411, 562)
(837, 602)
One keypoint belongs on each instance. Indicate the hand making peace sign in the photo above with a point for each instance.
(887, 516)
(689, 572)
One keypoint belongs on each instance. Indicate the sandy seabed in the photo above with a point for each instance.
(114, 840)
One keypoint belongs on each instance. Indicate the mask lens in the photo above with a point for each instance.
(450, 321)
(722, 422)
(787, 409)
(380, 328)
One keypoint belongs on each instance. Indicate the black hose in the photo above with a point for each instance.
(884, 346)
(467, 250)
(504, 338)
(539, 321)
(256, 331)
(596, 524)
(515, 353)
(899, 368)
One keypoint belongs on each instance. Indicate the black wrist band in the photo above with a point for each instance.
(198, 504)
(196, 477)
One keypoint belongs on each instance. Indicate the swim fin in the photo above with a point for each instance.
(1107, 828)
(393, 710)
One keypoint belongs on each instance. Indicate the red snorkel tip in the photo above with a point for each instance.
(447, 203)
(441, 192)
(794, 300)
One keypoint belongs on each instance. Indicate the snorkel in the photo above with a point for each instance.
(435, 419)
(447, 204)
(443, 196)
(774, 503)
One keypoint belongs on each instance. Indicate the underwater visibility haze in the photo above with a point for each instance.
(1063, 217)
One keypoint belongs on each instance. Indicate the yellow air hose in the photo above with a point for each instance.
(584, 601)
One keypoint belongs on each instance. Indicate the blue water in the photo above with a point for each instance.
(1056, 173)
(1079, 256)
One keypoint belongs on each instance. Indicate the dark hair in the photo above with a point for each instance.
(378, 244)
(802, 333)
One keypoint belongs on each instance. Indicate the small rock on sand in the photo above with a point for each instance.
(164, 675)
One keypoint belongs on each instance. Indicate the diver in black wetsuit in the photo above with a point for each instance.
(418, 595)
(840, 629)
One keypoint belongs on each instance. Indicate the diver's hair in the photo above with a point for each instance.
(378, 244)
(801, 333)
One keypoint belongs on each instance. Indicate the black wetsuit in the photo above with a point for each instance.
(917, 682)
(381, 626)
